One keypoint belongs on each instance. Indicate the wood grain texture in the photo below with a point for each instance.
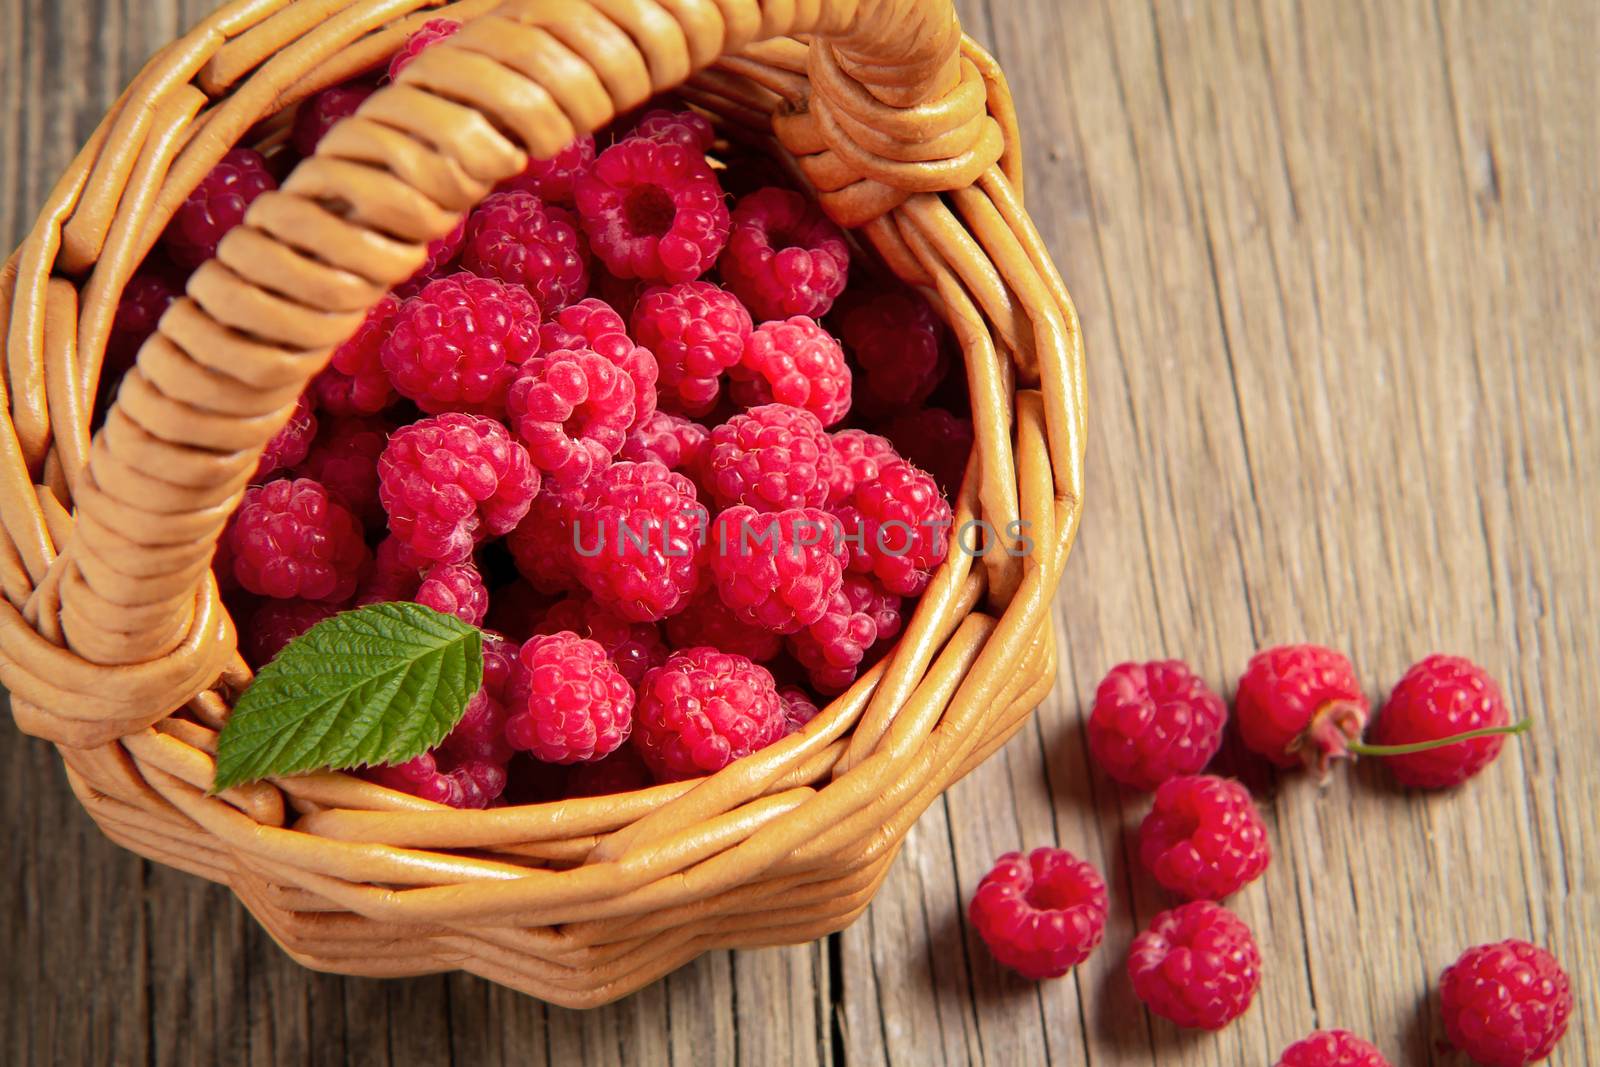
(1339, 267)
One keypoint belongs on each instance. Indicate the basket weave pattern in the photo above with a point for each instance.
(113, 639)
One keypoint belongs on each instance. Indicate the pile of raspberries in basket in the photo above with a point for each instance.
(646, 416)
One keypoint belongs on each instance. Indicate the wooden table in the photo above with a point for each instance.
(1339, 267)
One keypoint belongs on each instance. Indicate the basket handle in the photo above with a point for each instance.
(892, 111)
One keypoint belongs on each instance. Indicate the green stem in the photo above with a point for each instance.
(1363, 749)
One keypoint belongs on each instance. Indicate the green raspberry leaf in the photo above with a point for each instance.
(380, 684)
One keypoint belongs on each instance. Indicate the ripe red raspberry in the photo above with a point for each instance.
(594, 325)
(320, 113)
(772, 457)
(784, 256)
(344, 458)
(551, 180)
(354, 382)
(796, 362)
(899, 347)
(454, 589)
(798, 708)
(696, 331)
(480, 735)
(857, 623)
(452, 480)
(270, 624)
(439, 254)
(621, 772)
(146, 297)
(517, 608)
(702, 710)
(1437, 698)
(652, 210)
(935, 440)
(1041, 914)
(568, 701)
(1154, 721)
(776, 570)
(431, 32)
(521, 240)
(290, 444)
(1197, 965)
(542, 544)
(216, 206)
(898, 527)
(635, 647)
(858, 456)
(572, 409)
(708, 621)
(456, 345)
(687, 128)
(638, 540)
(671, 440)
(1505, 1004)
(441, 778)
(290, 540)
(1300, 704)
(1332, 1048)
(1204, 839)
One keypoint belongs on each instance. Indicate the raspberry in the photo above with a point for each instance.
(634, 647)
(395, 574)
(652, 210)
(777, 570)
(899, 348)
(316, 116)
(898, 527)
(480, 735)
(430, 32)
(696, 331)
(1300, 704)
(568, 701)
(440, 253)
(771, 458)
(454, 589)
(702, 710)
(456, 345)
(796, 362)
(438, 777)
(592, 324)
(516, 609)
(935, 440)
(621, 772)
(290, 444)
(858, 456)
(290, 540)
(1332, 1048)
(1505, 1004)
(638, 540)
(146, 297)
(1154, 721)
(572, 409)
(1204, 838)
(708, 621)
(521, 240)
(216, 206)
(859, 618)
(784, 256)
(344, 458)
(798, 708)
(671, 440)
(271, 624)
(687, 128)
(354, 382)
(1197, 965)
(1437, 698)
(1041, 914)
(551, 180)
(450, 481)
(542, 544)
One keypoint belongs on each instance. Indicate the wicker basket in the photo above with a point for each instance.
(116, 647)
